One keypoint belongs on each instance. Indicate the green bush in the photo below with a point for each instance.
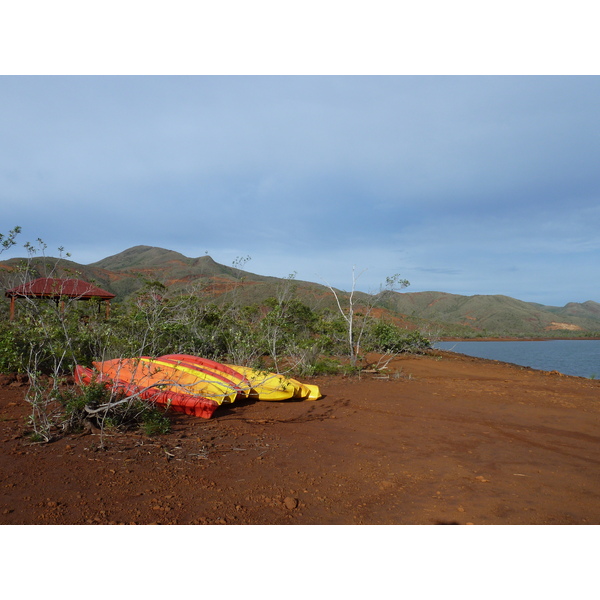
(323, 366)
(12, 355)
(155, 422)
(386, 337)
(120, 414)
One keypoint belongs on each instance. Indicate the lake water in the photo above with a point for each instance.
(571, 357)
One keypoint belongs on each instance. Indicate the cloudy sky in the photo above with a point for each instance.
(468, 185)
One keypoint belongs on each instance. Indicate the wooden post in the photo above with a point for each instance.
(12, 308)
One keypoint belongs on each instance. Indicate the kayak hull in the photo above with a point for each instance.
(192, 384)
(196, 380)
(261, 385)
(178, 402)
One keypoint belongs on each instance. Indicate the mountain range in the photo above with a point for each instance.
(127, 272)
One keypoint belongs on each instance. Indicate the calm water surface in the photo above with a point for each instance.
(571, 357)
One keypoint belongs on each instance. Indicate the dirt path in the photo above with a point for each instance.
(446, 439)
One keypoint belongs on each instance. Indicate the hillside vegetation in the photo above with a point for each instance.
(127, 273)
(496, 315)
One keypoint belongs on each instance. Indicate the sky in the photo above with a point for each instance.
(453, 144)
(461, 184)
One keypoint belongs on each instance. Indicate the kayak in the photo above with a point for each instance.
(206, 365)
(192, 384)
(178, 402)
(274, 386)
(262, 385)
(197, 377)
(146, 372)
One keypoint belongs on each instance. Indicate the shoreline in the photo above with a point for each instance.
(452, 353)
(537, 361)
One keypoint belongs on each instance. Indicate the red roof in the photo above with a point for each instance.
(48, 287)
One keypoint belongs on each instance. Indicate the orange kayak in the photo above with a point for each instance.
(148, 372)
(178, 402)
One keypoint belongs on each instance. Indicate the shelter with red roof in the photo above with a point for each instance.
(58, 289)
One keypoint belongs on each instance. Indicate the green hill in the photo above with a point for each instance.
(450, 314)
(496, 314)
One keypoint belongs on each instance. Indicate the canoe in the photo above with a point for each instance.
(178, 402)
(266, 385)
(193, 384)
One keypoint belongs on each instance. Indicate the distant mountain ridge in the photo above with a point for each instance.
(496, 313)
(125, 273)
(173, 264)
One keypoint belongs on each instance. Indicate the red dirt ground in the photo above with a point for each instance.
(445, 439)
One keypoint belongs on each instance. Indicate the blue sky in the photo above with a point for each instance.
(468, 185)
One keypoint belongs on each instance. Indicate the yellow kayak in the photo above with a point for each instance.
(273, 386)
(252, 382)
(192, 381)
(210, 366)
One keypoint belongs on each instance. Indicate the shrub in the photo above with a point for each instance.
(323, 366)
(155, 422)
(12, 359)
(386, 337)
(97, 404)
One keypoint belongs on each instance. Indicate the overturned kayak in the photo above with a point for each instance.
(197, 380)
(192, 384)
(273, 386)
(149, 372)
(187, 361)
(196, 406)
(262, 385)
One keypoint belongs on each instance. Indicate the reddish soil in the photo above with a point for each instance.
(445, 439)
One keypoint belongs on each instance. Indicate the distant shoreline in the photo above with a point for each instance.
(573, 359)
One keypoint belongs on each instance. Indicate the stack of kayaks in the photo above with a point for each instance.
(192, 384)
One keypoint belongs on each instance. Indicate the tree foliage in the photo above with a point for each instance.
(8, 240)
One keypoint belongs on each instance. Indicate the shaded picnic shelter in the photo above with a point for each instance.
(50, 288)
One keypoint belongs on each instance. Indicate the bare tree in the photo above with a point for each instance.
(347, 307)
